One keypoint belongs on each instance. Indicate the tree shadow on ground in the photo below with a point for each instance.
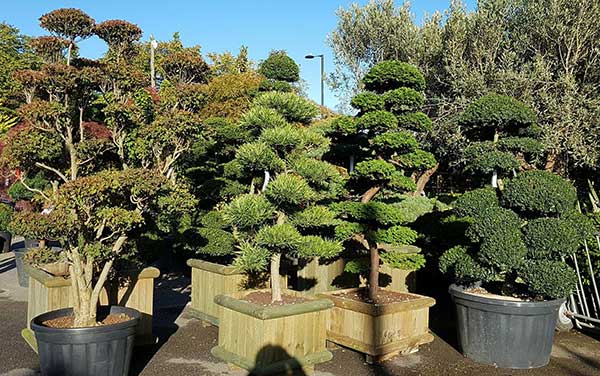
(269, 355)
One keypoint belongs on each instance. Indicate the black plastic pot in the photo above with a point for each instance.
(22, 276)
(503, 333)
(6, 238)
(95, 351)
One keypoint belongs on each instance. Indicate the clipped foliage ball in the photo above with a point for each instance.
(525, 145)
(261, 118)
(291, 106)
(376, 170)
(551, 238)
(503, 249)
(315, 216)
(346, 230)
(279, 66)
(275, 85)
(484, 158)
(402, 100)
(395, 142)
(539, 193)
(373, 212)
(396, 235)
(400, 183)
(316, 246)
(377, 121)
(403, 261)
(282, 139)
(213, 219)
(494, 221)
(346, 125)
(474, 203)
(548, 279)
(248, 211)
(215, 242)
(500, 112)
(393, 74)
(258, 156)
(416, 160)
(289, 190)
(279, 238)
(367, 101)
(415, 121)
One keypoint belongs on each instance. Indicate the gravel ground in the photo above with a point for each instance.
(185, 343)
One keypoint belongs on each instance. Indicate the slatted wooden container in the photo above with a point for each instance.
(48, 293)
(210, 279)
(379, 331)
(272, 340)
(395, 279)
(318, 275)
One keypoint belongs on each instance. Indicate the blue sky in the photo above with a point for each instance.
(298, 26)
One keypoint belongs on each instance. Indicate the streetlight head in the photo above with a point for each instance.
(310, 56)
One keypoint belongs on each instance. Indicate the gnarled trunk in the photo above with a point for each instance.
(374, 271)
(275, 280)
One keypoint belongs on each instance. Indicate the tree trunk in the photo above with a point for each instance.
(81, 136)
(72, 154)
(374, 272)
(550, 162)
(69, 50)
(275, 279)
(368, 195)
(424, 179)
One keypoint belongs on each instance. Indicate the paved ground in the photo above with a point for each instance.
(184, 346)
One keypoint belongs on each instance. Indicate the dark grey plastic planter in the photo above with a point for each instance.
(95, 351)
(506, 334)
(6, 238)
(22, 275)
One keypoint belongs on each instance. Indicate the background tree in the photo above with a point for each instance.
(15, 55)
(377, 221)
(281, 72)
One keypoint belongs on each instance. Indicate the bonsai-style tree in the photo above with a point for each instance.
(280, 72)
(283, 211)
(520, 237)
(502, 137)
(94, 217)
(69, 24)
(388, 123)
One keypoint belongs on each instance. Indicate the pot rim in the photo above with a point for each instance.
(458, 292)
(39, 328)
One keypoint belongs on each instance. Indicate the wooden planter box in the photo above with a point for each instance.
(380, 331)
(318, 275)
(48, 293)
(210, 279)
(399, 280)
(271, 340)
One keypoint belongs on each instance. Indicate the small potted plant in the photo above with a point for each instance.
(375, 223)
(511, 278)
(6, 212)
(282, 216)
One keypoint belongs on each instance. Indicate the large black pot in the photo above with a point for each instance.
(22, 276)
(94, 351)
(6, 239)
(503, 333)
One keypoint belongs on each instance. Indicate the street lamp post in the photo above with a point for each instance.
(311, 56)
(153, 46)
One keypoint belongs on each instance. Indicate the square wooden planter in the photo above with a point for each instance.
(210, 279)
(395, 279)
(271, 340)
(379, 331)
(48, 293)
(318, 275)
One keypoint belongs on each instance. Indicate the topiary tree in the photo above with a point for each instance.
(282, 211)
(6, 213)
(280, 72)
(392, 163)
(520, 239)
(94, 217)
(498, 129)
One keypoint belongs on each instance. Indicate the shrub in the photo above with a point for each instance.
(539, 193)
(484, 158)
(395, 142)
(374, 170)
(416, 160)
(402, 100)
(18, 192)
(392, 74)
(292, 107)
(275, 85)
(524, 252)
(214, 242)
(367, 101)
(279, 66)
(6, 213)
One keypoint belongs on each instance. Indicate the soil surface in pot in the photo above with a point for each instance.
(263, 298)
(485, 293)
(68, 321)
(383, 296)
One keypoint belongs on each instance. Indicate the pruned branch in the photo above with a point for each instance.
(57, 172)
